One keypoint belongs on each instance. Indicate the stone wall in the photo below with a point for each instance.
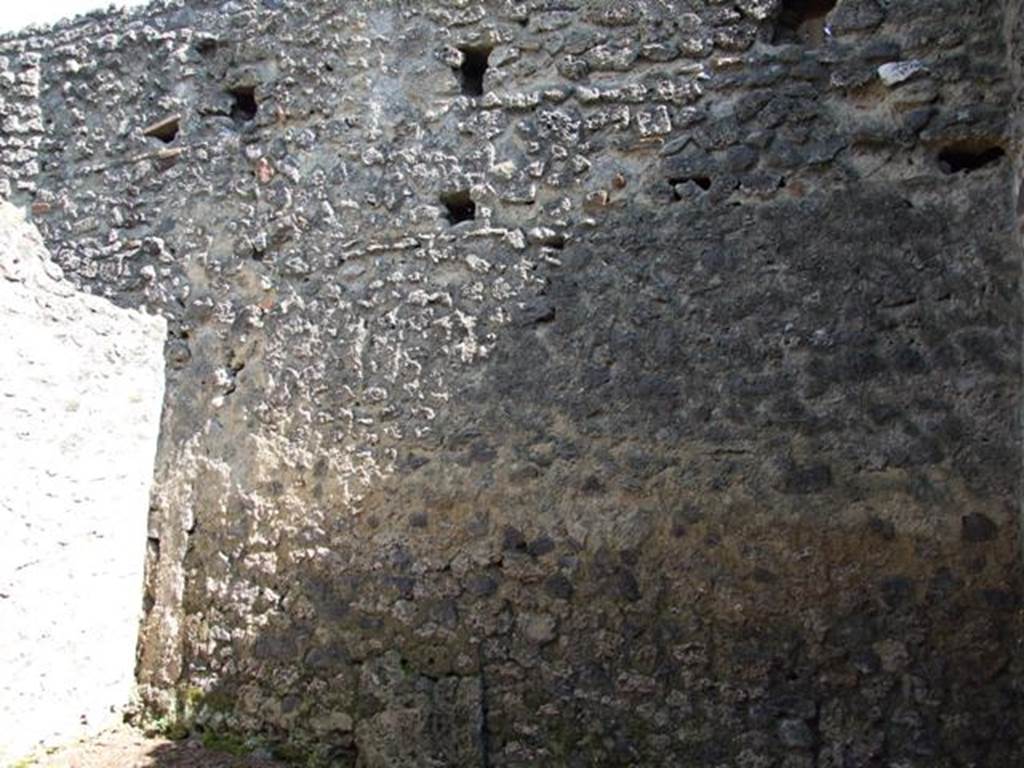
(561, 383)
(81, 386)
(1014, 33)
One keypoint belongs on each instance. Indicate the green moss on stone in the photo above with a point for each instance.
(225, 742)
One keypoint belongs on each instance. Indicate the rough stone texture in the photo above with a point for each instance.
(1014, 35)
(81, 387)
(649, 397)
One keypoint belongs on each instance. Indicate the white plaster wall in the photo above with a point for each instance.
(81, 388)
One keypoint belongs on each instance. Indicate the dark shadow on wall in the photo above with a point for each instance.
(646, 655)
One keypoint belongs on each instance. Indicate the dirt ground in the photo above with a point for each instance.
(125, 747)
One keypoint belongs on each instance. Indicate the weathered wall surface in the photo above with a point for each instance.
(81, 387)
(562, 383)
(1014, 34)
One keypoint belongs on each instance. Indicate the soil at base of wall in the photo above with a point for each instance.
(126, 747)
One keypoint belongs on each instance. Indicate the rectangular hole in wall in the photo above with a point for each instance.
(459, 206)
(803, 21)
(166, 130)
(244, 107)
(966, 158)
(473, 68)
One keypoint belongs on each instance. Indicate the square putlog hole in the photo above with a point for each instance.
(244, 106)
(474, 66)
(459, 206)
(803, 21)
